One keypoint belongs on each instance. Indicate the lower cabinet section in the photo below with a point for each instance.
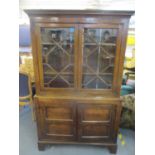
(73, 122)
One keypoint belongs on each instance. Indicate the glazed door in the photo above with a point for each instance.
(99, 44)
(57, 51)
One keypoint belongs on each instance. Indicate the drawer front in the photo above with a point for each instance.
(58, 122)
(95, 122)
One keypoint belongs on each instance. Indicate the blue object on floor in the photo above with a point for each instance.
(28, 142)
(126, 89)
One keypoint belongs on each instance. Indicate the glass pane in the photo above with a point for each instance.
(58, 57)
(98, 58)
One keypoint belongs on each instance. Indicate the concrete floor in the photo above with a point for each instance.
(28, 142)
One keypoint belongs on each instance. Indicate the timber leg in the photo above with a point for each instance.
(41, 147)
(112, 149)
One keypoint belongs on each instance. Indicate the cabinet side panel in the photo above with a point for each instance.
(39, 119)
(35, 56)
(124, 32)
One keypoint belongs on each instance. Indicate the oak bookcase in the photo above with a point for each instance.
(78, 61)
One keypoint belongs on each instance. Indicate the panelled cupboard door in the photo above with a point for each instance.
(96, 122)
(100, 49)
(57, 54)
(57, 121)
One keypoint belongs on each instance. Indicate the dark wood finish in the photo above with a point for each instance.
(96, 122)
(113, 149)
(41, 146)
(79, 112)
(58, 119)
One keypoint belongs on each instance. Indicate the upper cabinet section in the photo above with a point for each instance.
(78, 50)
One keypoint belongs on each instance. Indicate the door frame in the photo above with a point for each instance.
(116, 75)
(38, 26)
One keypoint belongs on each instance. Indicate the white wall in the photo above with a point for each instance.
(78, 4)
(73, 4)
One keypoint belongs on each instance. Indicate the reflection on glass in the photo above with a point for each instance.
(98, 58)
(58, 57)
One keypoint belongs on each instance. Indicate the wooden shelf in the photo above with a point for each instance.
(54, 73)
(104, 44)
(98, 74)
(48, 43)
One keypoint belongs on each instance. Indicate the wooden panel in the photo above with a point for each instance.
(96, 114)
(80, 19)
(91, 130)
(95, 122)
(59, 113)
(59, 120)
(60, 129)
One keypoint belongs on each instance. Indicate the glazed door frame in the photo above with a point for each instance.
(119, 28)
(38, 27)
(78, 55)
